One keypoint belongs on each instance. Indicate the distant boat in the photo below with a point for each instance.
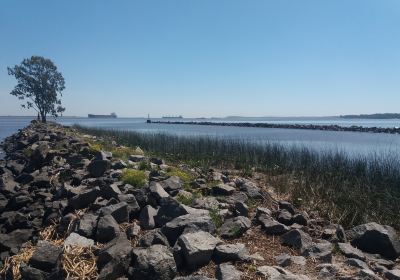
(172, 117)
(110, 116)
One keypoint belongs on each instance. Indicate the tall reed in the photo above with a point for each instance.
(348, 190)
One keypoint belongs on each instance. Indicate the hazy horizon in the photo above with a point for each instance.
(208, 58)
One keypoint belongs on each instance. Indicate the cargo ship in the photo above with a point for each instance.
(173, 117)
(110, 116)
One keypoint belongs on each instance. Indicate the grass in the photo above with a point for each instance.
(216, 217)
(136, 178)
(347, 190)
(185, 176)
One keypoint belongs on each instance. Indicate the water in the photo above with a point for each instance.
(349, 142)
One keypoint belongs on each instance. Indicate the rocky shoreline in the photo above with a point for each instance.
(389, 130)
(70, 209)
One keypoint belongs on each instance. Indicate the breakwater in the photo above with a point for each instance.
(389, 130)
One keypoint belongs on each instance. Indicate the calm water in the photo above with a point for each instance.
(350, 142)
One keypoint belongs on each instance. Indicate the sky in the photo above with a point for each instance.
(203, 58)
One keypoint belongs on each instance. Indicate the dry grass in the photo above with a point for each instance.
(12, 264)
(79, 263)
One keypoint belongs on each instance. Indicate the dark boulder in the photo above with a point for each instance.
(84, 198)
(376, 239)
(97, 168)
(153, 263)
(46, 256)
(86, 225)
(107, 229)
(119, 212)
(235, 227)
(169, 210)
(297, 239)
(174, 228)
(13, 240)
(114, 258)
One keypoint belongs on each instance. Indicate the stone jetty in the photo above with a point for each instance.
(390, 130)
(67, 211)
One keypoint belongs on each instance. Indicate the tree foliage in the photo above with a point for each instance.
(40, 85)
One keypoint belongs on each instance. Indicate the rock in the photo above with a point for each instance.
(120, 164)
(351, 252)
(172, 185)
(285, 217)
(157, 161)
(46, 256)
(97, 167)
(286, 206)
(251, 190)
(18, 201)
(334, 233)
(153, 263)
(31, 273)
(222, 189)
(86, 225)
(356, 263)
(231, 252)
(300, 219)
(13, 240)
(153, 237)
(116, 255)
(262, 211)
(321, 251)
(39, 154)
(169, 210)
(157, 191)
(193, 277)
(133, 230)
(119, 212)
(376, 239)
(137, 158)
(146, 217)
(75, 239)
(108, 191)
(297, 239)
(103, 155)
(174, 228)
(235, 227)
(284, 260)
(197, 248)
(107, 229)
(278, 273)
(133, 205)
(393, 274)
(227, 272)
(241, 209)
(84, 198)
(367, 274)
(271, 226)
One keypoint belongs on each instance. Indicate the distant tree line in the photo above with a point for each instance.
(373, 116)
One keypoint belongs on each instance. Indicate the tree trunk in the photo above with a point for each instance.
(43, 117)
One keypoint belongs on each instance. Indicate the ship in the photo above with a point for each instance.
(172, 117)
(110, 116)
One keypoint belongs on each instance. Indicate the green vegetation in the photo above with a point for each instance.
(185, 176)
(216, 217)
(185, 199)
(27, 152)
(144, 165)
(347, 190)
(136, 178)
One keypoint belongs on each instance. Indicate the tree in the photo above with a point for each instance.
(40, 84)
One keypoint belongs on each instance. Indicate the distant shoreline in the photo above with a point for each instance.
(393, 130)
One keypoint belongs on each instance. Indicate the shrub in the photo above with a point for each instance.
(136, 178)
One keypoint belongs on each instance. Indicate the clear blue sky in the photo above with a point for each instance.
(210, 57)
